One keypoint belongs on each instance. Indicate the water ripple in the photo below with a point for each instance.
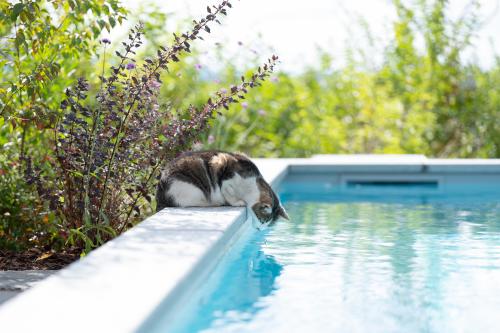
(365, 267)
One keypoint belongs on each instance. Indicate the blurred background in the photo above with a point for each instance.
(298, 30)
(416, 76)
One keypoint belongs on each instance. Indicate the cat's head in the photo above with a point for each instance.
(268, 209)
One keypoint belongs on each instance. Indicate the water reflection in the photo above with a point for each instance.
(414, 263)
(401, 266)
(248, 276)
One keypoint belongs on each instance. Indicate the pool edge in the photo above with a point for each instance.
(106, 284)
(118, 294)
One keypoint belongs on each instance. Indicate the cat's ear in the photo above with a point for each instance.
(282, 213)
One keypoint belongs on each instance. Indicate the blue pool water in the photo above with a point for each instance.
(364, 258)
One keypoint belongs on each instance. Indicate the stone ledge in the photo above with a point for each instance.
(21, 280)
(119, 284)
(12, 283)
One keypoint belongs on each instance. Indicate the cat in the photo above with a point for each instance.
(216, 178)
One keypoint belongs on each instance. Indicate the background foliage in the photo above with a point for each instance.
(424, 98)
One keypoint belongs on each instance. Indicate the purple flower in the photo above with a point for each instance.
(130, 65)
(105, 41)
(211, 139)
(274, 79)
(197, 66)
(223, 91)
(262, 112)
(244, 105)
(154, 84)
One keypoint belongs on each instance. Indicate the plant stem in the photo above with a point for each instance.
(164, 59)
(151, 176)
(92, 143)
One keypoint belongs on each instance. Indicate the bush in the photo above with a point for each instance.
(23, 221)
(42, 47)
(108, 151)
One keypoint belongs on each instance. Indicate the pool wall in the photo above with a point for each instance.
(167, 257)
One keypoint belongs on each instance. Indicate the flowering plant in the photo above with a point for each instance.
(108, 154)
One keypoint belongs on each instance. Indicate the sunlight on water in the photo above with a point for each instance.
(411, 265)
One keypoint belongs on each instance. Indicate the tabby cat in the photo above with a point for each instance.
(215, 178)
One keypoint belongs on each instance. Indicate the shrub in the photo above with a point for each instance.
(108, 152)
(42, 47)
(23, 220)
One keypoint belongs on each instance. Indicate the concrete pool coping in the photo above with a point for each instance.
(12, 283)
(116, 287)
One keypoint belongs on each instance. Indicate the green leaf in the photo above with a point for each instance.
(101, 23)
(16, 10)
(20, 39)
(104, 218)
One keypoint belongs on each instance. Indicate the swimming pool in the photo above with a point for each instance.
(361, 256)
(376, 243)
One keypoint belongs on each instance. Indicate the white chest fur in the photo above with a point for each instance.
(239, 191)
